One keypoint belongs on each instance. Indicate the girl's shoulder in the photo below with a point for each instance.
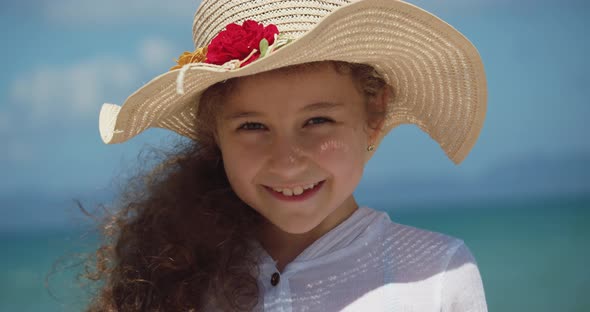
(419, 260)
(422, 251)
(410, 237)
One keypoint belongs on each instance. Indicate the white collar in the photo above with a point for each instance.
(356, 230)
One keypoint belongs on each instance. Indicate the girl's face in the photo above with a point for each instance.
(282, 133)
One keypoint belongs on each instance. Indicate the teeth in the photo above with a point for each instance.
(298, 190)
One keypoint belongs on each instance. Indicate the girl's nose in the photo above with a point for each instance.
(287, 158)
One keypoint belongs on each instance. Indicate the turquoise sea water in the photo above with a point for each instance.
(532, 253)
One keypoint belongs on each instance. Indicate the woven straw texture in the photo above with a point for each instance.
(437, 75)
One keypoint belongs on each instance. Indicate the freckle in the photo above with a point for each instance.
(296, 152)
(333, 145)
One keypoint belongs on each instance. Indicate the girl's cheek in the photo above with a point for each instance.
(240, 155)
(347, 143)
(331, 147)
(249, 144)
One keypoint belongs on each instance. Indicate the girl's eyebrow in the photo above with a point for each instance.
(313, 107)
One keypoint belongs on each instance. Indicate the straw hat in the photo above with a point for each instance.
(437, 75)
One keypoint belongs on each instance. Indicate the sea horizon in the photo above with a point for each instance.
(530, 251)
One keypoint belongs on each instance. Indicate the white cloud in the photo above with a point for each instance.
(5, 122)
(74, 90)
(14, 149)
(157, 54)
(78, 90)
(106, 12)
(17, 152)
(125, 12)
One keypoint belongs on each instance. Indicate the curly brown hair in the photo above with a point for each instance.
(181, 239)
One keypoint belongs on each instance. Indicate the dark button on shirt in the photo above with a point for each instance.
(275, 279)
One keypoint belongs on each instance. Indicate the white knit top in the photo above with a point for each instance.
(369, 263)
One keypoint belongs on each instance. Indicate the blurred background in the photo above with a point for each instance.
(521, 199)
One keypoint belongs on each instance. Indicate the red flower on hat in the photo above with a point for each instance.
(237, 42)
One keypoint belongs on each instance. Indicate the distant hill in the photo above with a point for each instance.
(525, 176)
(38, 209)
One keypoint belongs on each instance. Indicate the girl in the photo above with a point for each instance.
(284, 103)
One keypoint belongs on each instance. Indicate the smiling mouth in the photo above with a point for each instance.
(296, 193)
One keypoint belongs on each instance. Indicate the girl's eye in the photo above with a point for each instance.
(251, 126)
(318, 120)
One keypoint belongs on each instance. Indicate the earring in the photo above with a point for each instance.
(370, 148)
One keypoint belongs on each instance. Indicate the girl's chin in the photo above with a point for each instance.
(294, 222)
(295, 226)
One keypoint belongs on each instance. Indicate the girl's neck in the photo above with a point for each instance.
(284, 247)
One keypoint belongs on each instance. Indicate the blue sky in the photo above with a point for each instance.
(63, 58)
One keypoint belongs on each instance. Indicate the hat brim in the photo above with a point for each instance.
(436, 74)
